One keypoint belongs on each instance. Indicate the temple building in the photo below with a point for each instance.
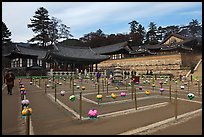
(61, 57)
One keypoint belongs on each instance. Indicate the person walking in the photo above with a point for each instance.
(9, 77)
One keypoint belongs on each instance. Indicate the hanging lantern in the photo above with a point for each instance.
(23, 92)
(93, 113)
(153, 85)
(47, 85)
(113, 95)
(25, 102)
(31, 82)
(77, 86)
(182, 87)
(60, 83)
(165, 82)
(83, 88)
(74, 84)
(185, 83)
(22, 86)
(140, 87)
(122, 94)
(191, 96)
(147, 92)
(99, 97)
(144, 82)
(62, 92)
(148, 82)
(161, 89)
(116, 88)
(24, 111)
(72, 98)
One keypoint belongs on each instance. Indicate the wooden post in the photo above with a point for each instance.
(132, 84)
(191, 78)
(135, 99)
(70, 84)
(55, 92)
(80, 105)
(98, 86)
(33, 81)
(53, 80)
(39, 81)
(73, 86)
(198, 88)
(169, 90)
(103, 84)
(188, 85)
(176, 105)
(126, 84)
(46, 87)
(28, 125)
(107, 87)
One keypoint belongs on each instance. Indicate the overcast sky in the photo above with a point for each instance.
(110, 17)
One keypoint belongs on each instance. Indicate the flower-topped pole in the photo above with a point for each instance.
(27, 112)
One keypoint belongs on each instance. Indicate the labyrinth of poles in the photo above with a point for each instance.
(90, 96)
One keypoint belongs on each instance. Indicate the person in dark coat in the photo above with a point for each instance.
(9, 77)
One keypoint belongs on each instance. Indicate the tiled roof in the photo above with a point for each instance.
(111, 48)
(76, 53)
(173, 34)
(30, 51)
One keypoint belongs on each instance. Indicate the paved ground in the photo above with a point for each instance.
(50, 118)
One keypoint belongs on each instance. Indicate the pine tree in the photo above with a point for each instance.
(40, 25)
(5, 35)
